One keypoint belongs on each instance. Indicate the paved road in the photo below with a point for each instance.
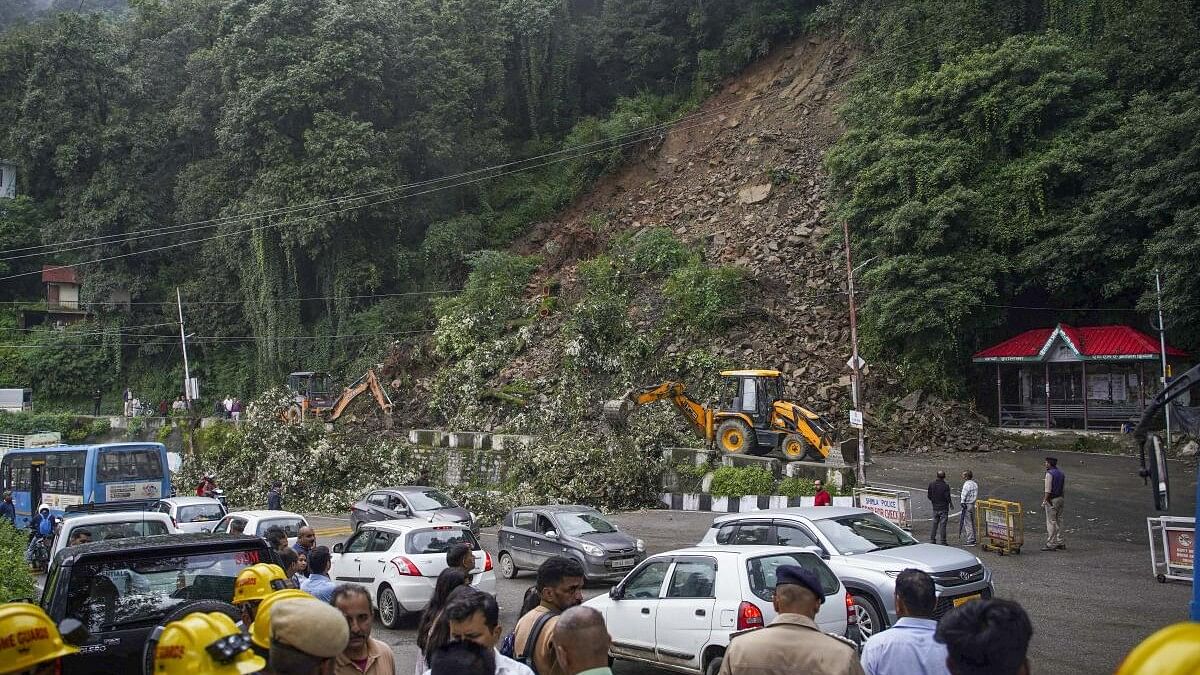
(1090, 604)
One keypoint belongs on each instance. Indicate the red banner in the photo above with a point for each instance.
(1181, 547)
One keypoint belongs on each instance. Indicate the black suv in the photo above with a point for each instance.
(120, 590)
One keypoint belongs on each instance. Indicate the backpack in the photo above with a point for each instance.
(526, 656)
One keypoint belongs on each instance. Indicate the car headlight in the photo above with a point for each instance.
(593, 550)
(641, 546)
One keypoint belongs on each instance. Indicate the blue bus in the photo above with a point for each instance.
(64, 475)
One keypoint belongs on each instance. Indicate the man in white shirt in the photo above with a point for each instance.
(908, 647)
(966, 524)
(474, 616)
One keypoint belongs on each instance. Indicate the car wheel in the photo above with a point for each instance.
(389, 608)
(357, 526)
(870, 619)
(508, 568)
(714, 666)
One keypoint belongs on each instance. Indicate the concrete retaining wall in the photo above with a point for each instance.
(706, 502)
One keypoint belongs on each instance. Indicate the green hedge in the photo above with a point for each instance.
(16, 582)
(73, 429)
(739, 481)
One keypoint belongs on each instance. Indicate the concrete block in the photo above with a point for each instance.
(769, 463)
(428, 437)
(510, 441)
(463, 439)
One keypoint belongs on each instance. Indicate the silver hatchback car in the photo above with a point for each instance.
(865, 551)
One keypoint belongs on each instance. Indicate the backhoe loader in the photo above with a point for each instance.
(757, 421)
(310, 396)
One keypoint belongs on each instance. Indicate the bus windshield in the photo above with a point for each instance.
(125, 464)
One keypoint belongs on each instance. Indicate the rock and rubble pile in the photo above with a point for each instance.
(741, 180)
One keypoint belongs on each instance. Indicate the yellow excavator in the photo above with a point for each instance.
(757, 421)
(311, 396)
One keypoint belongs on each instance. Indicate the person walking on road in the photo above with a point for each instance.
(363, 653)
(908, 647)
(939, 497)
(1052, 501)
(967, 498)
(560, 586)
(792, 642)
(581, 642)
(275, 495)
(821, 498)
(986, 636)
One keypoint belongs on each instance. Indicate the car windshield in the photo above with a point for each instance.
(200, 513)
(429, 500)
(576, 524)
(139, 592)
(121, 530)
(439, 540)
(862, 533)
(291, 526)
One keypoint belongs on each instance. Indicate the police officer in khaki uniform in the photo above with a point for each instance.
(792, 643)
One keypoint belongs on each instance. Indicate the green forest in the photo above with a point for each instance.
(320, 178)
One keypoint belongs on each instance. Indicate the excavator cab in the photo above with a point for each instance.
(311, 390)
(756, 393)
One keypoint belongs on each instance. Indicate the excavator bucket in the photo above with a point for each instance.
(618, 410)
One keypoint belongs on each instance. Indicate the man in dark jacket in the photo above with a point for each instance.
(275, 495)
(7, 510)
(939, 497)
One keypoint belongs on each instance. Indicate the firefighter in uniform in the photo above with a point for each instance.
(792, 643)
(203, 643)
(254, 584)
(30, 643)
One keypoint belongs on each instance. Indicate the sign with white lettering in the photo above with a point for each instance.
(856, 419)
(890, 505)
(114, 492)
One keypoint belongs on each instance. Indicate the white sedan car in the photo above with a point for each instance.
(677, 609)
(257, 523)
(399, 562)
(192, 514)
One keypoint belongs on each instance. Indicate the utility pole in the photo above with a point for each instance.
(1162, 348)
(855, 361)
(187, 375)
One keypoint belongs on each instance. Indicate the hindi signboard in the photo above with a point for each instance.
(114, 492)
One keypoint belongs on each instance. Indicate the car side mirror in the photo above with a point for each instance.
(552, 534)
(337, 548)
(616, 593)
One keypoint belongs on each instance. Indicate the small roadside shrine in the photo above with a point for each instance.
(1085, 377)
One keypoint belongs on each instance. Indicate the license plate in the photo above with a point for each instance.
(623, 563)
(965, 599)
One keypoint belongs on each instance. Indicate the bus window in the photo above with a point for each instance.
(122, 465)
(64, 473)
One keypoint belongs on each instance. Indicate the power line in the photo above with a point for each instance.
(709, 113)
(77, 244)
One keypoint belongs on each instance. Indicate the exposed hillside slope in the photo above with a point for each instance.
(741, 182)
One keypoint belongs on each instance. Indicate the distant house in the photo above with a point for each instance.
(1075, 377)
(62, 300)
(8, 179)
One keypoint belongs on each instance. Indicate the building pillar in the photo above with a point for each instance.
(1085, 395)
(1046, 384)
(999, 399)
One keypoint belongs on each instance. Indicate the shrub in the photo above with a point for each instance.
(803, 487)
(689, 478)
(16, 582)
(739, 481)
(707, 298)
(655, 251)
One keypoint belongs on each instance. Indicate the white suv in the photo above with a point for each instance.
(112, 525)
(677, 609)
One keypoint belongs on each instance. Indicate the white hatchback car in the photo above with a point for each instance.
(677, 609)
(192, 514)
(257, 523)
(112, 525)
(399, 562)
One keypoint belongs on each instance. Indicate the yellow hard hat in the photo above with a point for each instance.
(260, 630)
(257, 582)
(205, 643)
(28, 637)
(1174, 650)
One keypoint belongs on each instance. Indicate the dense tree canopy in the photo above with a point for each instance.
(1005, 155)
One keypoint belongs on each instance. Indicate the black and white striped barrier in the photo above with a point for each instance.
(676, 501)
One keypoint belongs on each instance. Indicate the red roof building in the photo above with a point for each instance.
(1087, 377)
(1093, 343)
(59, 275)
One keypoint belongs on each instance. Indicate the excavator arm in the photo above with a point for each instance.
(808, 424)
(696, 413)
(367, 382)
